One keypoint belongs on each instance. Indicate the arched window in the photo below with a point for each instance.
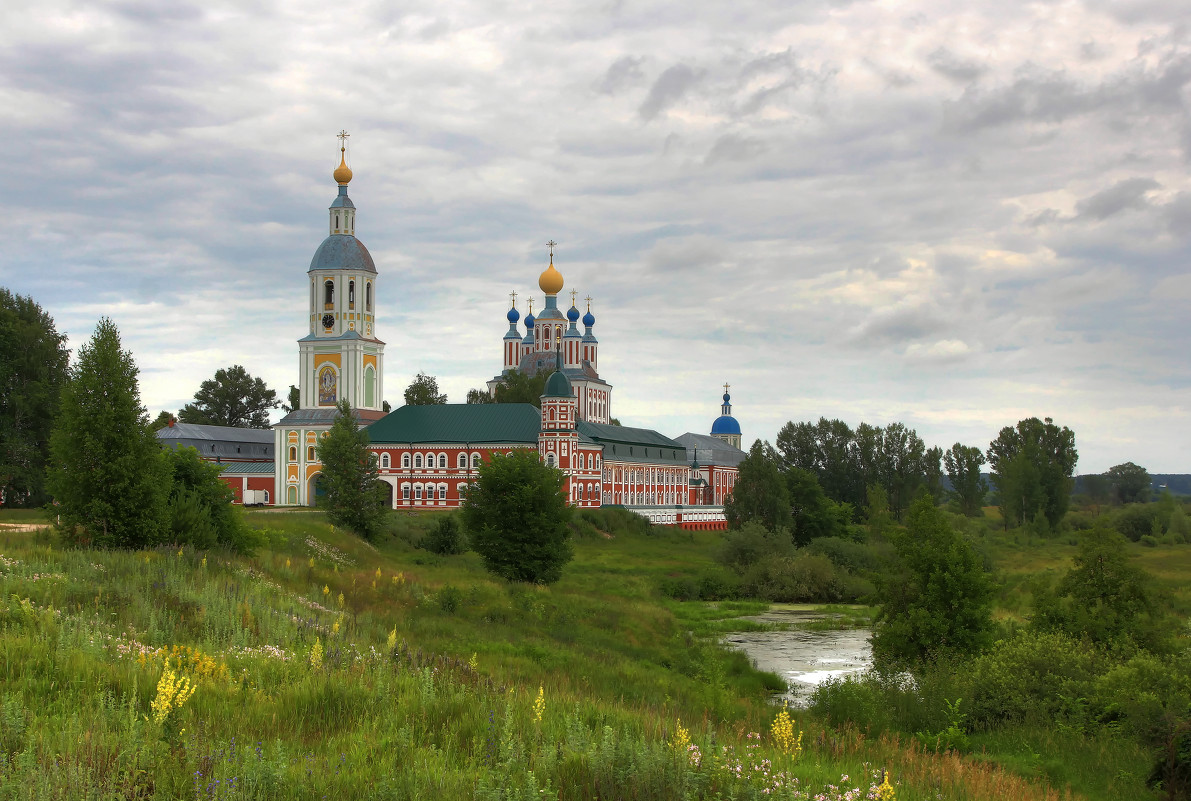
(336, 222)
(417, 492)
(369, 386)
(550, 459)
(310, 453)
(351, 294)
(384, 460)
(442, 461)
(405, 460)
(405, 492)
(291, 496)
(462, 461)
(293, 453)
(442, 492)
(328, 293)
(368, 296)
(266, 496)
(475, 460)
(417, 460)
(429, 492)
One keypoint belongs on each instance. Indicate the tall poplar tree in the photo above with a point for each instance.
(350, 478)
(33, 368)
(108, 475)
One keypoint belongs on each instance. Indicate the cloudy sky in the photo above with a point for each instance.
(952, 214)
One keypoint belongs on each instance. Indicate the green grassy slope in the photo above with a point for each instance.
(325, 667)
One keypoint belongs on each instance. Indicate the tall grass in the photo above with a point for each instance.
(424, 684)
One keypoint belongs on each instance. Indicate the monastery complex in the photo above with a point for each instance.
(427, 455)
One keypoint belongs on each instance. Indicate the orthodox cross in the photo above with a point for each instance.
(551, 245)
(573, 294)
(726, 387)
(588, 299)
(531, 304)
(513, 297)
(342, 136)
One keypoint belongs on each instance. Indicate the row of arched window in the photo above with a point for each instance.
(329, 294)
(430, 461)
(427, 492)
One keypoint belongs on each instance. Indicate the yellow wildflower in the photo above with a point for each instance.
(392, 641)
(341, 600)
(316, 655)
(204, 561)
(886, 792)
(312, 561)
(326, 590)
(682, 737)
(539, 706)
(287, 563)
(179, 552)
(472, 663)
(172, 692)
(783, 734)
(378, 574)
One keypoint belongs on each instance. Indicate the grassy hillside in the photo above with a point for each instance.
(324, 667)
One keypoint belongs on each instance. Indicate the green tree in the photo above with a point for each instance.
(517, 387)
(1130, 483)
(293, 400)
(232, 398)
(354, 494)
(424, 392)
(202, 513)
(1103, 598)
(963, 465)
(479, 396)
(108, 475)
(162, 420)
(760, 493)
(940, 601)
(1032, 465)
(814, 514)
(516, 515)
(33, 369)
(1097, 488)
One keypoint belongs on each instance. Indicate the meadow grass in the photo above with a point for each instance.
(324, 666)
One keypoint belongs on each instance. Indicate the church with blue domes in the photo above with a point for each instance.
(427, 455)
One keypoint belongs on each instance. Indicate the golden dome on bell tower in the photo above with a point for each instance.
(343, 173)
(550, 281)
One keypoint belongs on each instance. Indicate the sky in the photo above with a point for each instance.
(950, 214)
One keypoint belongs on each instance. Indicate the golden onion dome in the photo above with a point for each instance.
(343, 173)
(550, 281)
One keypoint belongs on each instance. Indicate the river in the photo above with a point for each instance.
(803, 658)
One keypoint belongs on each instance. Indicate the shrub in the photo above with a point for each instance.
(751, 543)
(791, 579)
(1031, 676)
(1135, 521)
(446, 538)
(854, 556)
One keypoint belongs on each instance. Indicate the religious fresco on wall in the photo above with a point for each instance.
(328, 383)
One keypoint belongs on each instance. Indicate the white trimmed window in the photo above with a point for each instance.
(384, 461)
(417, 460)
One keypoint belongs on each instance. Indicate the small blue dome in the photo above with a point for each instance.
(572, 314)
(725, 424)
(529, 322)
(513, 316)
(589, 319)
(727, 398)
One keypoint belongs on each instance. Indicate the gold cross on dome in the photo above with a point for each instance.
(588, 299)
(531, 304)
(726, 388)
(574, 292)
(513, 297)
(551, 245)
(342, 136)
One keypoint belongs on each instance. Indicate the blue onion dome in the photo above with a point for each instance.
(529, 322)
(589, 319)
(727, 398)
(513, 316)
(572, 313)
(725, 424)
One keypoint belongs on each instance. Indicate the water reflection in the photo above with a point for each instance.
(803, 658)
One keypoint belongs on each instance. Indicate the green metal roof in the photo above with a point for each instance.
(464, 423)
(248, 468)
